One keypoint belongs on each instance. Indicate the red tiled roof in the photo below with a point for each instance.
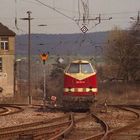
(5, 31)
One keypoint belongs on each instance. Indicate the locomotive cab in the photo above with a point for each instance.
(80, 86)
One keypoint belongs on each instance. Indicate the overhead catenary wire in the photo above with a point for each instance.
(16, 15)
(16, 18)
(95, 13)
(61, 11)
(50, 7)
(79, 11)
(54, 9)
(103, 13)
(85, 5)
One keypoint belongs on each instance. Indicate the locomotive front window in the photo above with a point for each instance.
(74, 68)
(86, 68)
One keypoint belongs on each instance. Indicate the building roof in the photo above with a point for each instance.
(5, 31)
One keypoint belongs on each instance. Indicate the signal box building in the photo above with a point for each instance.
(7, 59)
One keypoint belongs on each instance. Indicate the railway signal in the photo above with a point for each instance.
(44, 58)
(60, 60)
(84, 29)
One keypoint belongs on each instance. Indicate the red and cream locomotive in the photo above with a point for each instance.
(80, 85)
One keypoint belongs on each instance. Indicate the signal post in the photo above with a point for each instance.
(44, 57)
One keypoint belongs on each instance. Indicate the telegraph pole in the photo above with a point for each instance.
(29, 55)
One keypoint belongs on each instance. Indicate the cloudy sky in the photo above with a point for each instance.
(61, 16)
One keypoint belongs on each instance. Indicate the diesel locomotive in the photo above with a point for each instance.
(80, 85)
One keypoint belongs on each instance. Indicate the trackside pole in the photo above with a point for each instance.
(44, 91)
(44, 57)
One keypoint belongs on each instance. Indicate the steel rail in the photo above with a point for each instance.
(132, 106)
(129, 126)
(61, 134)
(64, 133)
(100, 135)
(9, 110)
(129, 108)
(107, 133)
(30, 125)
(32, 130)
(4, 111)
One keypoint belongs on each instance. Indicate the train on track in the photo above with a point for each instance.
(80, 85)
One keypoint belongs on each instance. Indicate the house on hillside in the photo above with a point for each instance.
(7, 59)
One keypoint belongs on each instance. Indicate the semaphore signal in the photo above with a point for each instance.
(44, 57)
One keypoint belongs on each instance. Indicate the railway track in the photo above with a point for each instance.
(107, 132)
(77, 134)
(10, 109)
(37, 130)
(103, 133)
(130, 131)
(110, 134)
(65, 127)
(3, 110)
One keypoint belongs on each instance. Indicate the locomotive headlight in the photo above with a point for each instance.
(91, 89)
(70, 89)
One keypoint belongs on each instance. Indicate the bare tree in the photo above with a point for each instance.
(122, 55)
(135, 33)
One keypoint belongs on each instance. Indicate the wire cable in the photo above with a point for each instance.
(54, 9)
(16, 15)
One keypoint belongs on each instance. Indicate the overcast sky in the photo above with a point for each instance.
(119, 10)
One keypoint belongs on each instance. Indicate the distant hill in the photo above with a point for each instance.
(61, 44)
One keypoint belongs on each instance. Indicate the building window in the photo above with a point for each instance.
(4, 43)
(0, 64)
